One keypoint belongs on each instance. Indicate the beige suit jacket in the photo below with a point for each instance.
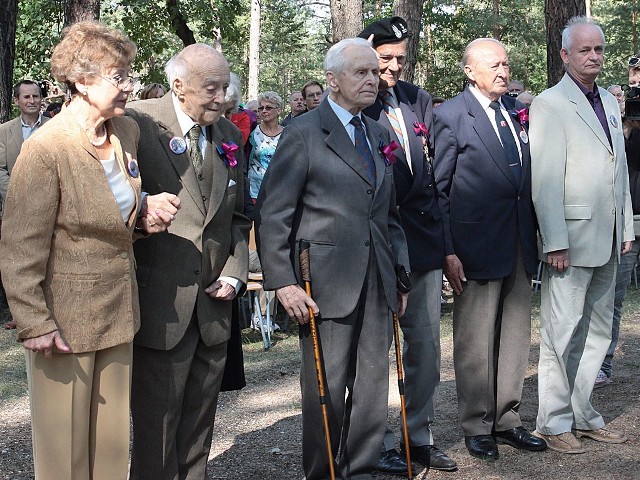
(208, 238)
(66, 254)
(580, 182)
(10, 145)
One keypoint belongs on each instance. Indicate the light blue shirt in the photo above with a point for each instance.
(345, 118)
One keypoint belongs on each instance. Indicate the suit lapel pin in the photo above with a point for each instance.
(178, 145)
(523, 136)
(614, 121)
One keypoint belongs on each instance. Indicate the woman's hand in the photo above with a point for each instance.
(45, 343)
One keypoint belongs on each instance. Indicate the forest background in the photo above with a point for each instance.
(280, 44)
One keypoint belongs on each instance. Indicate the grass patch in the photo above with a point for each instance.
(13, 375)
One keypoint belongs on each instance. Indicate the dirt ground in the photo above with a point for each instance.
(258, 429)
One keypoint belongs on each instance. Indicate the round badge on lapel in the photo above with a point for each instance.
(524, 137)
(133, 168)
(178, 145)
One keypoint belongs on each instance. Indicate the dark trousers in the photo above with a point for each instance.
(173, 406)
(356, 363)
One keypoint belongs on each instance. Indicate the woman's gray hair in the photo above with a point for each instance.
(573, 21)
(336, 61)
(232, 97)
(271, 97)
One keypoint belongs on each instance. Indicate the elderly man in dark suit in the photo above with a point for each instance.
(329, 183)
(405, 110)
(484, 181)
(189, 275)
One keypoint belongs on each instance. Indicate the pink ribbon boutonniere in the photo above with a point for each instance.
(387, 151)
(420, 129)
(523, 116)
(228, 152)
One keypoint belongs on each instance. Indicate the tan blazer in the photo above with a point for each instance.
(10, 145)
(66, 256)
(208, 238)
(580, 182)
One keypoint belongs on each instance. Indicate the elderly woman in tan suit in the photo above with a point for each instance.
(73, 203)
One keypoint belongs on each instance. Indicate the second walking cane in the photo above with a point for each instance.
(305, 270)
(404, 286)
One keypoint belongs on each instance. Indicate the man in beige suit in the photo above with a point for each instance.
(581, 195)
(189, 275)
(26, 96)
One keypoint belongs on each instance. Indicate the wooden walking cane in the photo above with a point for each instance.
(404, 286)
(403, 408)
(305, 269)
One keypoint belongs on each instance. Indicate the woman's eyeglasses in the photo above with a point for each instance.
(634, 61)
(267, 108)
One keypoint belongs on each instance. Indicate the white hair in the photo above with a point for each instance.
(336, 61)
(574, 21)
(179, 66)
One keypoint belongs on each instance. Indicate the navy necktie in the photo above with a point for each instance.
(362, 147)
(508, 142)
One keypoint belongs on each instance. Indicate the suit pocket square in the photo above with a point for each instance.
(232, 182)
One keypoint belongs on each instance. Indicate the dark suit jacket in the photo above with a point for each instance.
(484, 210)
(10, 145)
(316, 189)
(203, 242)
(415, 192)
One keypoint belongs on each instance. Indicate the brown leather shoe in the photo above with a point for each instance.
(563, 443)
(604, 434)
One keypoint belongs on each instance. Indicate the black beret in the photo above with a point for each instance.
(387, 30)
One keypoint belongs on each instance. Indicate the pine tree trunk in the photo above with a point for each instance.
(346, 19)
(8, 15)
(411, 11)
(556, 14)
(79, 10)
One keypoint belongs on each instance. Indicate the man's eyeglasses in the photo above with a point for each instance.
(121, 83)
(314, 95)
(634, 62)
(267, 108)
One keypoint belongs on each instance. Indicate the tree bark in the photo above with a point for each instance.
(346, 19)
(254, 51)
(556, 14)
(8, 15)
(179, 23)
(79, 10)
(411, 11)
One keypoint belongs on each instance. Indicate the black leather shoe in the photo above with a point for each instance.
(392, 462)
(431, 457)
(520, 438)
(482, 446)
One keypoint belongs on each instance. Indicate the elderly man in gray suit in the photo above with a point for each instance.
(189, 275)
(580, 189)
(330, 183)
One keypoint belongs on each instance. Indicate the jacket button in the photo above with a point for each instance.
(369, 191)
(197, 271)
(367, 243)
(200, 177)
(613, 211)
(124, 255)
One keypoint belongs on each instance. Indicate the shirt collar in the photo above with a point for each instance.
(343, 114)
(37, 124)
(484, 101)
(584, 89)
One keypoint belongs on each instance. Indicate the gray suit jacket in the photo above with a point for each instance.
(580, 182)
(316, 189)
(10, 145)
(208, 238)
